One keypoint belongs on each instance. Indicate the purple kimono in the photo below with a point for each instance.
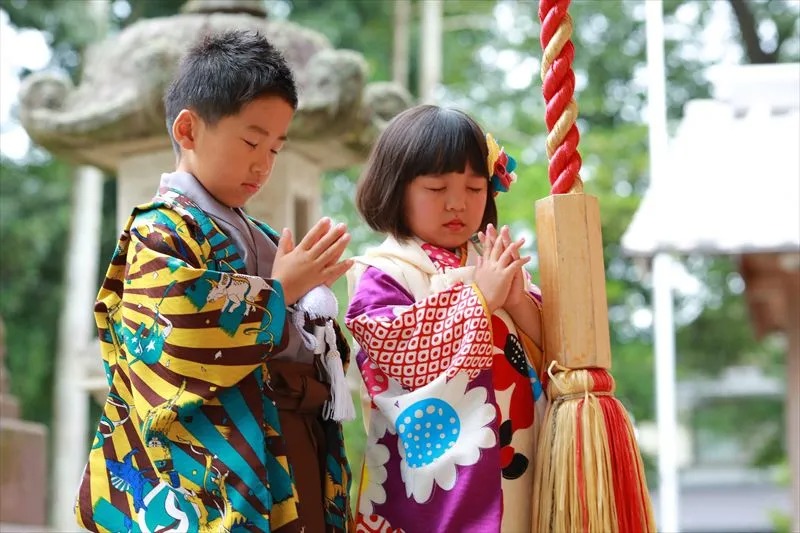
(452, 396)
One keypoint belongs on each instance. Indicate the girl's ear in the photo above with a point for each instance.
(184, 128)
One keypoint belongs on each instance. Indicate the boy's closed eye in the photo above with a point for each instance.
(253, 146)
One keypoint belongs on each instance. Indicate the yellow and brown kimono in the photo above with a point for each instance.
(190, 438)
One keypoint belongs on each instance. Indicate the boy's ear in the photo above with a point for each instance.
(184, 128)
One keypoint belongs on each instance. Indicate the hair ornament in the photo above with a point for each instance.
(501, 166)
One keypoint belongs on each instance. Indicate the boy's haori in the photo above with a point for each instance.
(220, 414)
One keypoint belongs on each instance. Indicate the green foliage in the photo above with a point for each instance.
(34, 219)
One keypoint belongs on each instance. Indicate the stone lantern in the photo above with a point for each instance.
(114, 120)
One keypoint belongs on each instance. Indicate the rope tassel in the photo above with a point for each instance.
(592, 476)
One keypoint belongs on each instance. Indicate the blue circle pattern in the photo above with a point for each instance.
(427, 429)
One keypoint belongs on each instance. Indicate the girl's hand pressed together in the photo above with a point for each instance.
(497, 267)
(314, 261)
(517, 293)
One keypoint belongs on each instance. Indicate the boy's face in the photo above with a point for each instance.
(446, 209)
(233, 158)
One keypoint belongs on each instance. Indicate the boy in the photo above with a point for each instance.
(214, 418)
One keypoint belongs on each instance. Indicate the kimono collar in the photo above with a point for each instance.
(253, 249)
(190, 187)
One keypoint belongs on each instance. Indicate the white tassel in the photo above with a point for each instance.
(299, 320)
(340, 407)
(320, 302)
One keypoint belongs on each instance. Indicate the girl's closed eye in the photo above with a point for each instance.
(251, 145)
(436, 189)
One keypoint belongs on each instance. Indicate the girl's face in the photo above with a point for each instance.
(446, 209)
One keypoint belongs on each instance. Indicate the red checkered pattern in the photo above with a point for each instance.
(447, 332)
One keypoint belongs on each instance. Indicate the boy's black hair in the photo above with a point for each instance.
(423, 140)
(224, 72)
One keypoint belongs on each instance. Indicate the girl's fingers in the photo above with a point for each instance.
(488, 242)
(511, 253)
(498, 248)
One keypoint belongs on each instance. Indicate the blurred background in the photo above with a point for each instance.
(698, 189)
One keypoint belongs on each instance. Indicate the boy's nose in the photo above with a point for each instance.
(263, 166)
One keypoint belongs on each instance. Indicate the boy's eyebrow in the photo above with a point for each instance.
(262, 131)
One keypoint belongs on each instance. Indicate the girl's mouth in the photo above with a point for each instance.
(454, 225)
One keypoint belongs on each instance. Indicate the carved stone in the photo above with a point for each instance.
(116, 110)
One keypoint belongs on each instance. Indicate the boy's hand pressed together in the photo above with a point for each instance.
(498, 266)
(314, 261)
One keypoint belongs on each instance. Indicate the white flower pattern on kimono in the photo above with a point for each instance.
(439, 427)
(372, 491)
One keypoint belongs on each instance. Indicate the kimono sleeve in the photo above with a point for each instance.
(189, 331)
(415, 342)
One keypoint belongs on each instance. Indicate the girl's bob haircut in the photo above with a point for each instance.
(423, 140)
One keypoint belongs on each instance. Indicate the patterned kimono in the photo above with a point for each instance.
(452, 396)
(188, 439)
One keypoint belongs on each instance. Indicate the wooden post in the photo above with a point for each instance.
(573, 281)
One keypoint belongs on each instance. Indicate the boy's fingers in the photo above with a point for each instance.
(334, 272)
(285, 244)
(328, 240)
(333, 252)
(315, 233)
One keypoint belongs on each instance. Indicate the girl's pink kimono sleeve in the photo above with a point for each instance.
(415, 342)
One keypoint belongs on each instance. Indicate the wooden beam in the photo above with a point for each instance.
(573, 281)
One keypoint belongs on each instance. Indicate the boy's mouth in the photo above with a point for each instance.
(252, 187)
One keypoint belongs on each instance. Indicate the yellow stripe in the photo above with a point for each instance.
(98, 482)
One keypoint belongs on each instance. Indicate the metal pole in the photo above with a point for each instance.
(663, 319)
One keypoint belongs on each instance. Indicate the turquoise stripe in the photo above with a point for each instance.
(235, 405)
(109, 517)
(204, 431)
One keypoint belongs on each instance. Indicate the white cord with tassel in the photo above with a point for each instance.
(320, 302)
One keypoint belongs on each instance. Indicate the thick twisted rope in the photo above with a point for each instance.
(558, 88)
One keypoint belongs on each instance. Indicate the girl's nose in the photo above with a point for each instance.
(456, 201)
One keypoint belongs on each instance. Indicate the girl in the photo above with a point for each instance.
(449, 331)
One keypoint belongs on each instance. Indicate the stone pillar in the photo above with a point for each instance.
(76, 331)
(137, 179)
(23, 462)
